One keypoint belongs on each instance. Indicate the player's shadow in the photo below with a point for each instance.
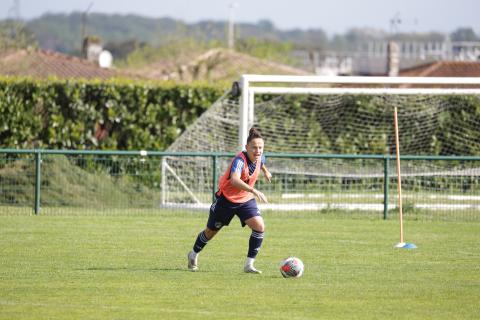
(134, 269)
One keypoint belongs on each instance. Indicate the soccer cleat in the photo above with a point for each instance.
(251, 269)
(192, 261)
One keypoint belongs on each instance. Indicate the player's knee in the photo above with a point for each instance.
(262, 224)
(256, 224)
(259, 227)
(209, 233)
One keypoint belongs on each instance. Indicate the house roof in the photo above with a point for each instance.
(215, 65)
(41, 64)
(444, 69)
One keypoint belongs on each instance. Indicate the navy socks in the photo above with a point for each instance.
(254, 244)
(200, 242)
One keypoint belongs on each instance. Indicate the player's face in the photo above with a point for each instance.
(254, 149)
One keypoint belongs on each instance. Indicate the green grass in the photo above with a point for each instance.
(134, 267)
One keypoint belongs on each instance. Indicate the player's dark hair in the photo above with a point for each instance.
(254, 134)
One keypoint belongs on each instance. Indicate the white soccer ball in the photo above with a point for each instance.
(291, 268)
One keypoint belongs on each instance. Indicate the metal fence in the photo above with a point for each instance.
(141, 182)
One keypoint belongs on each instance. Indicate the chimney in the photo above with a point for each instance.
(91, 49)
(393, 59)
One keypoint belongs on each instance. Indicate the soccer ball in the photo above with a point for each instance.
(291, 268)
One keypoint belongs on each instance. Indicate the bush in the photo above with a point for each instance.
(117, 114)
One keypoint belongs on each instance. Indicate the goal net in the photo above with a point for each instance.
(330, 143)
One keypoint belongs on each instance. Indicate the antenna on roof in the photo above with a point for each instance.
(84, 22)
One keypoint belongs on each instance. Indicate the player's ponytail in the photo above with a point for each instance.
(254, 134)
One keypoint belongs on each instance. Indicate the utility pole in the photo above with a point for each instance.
(231, 31)
(15, 25)
(84, 25)
(16, 11)
(393, 52)
(394, 22)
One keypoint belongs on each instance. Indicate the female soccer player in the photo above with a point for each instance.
(236, 196)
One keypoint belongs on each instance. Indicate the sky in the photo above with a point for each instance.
(333, 16)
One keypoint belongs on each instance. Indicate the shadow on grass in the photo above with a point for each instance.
(133, 269)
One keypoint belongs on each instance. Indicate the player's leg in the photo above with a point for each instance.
(255, 243)
(220, 215)
(250, 216)
(201, 241)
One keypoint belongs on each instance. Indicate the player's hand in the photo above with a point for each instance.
(268, 175)
(260, 195)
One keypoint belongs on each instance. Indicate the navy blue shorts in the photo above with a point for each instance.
(222, 212)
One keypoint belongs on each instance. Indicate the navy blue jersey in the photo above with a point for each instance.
(238, 163)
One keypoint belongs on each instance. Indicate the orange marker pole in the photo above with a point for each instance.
(399, 179)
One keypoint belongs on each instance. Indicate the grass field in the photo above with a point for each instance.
(134, 267)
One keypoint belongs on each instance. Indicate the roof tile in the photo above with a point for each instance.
(444, 69)
(42, 64)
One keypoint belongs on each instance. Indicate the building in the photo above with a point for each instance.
(444, 69)
(372, 57)
(43, 64)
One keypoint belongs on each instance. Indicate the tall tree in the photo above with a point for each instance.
(464, 34)
(15, 35)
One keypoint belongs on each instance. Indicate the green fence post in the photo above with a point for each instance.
(38, 180)
(215, 180)
(386, 179)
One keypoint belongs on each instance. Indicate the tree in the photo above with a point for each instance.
(265, 49)
(464, 34)
(15, 35)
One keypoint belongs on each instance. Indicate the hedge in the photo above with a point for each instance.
(117, 114)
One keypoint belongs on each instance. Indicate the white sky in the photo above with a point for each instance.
(333, 16)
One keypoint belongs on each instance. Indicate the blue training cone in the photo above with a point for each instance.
(403, 245)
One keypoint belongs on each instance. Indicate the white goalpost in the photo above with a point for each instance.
(329, 141)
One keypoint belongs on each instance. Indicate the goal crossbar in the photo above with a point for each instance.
(364, 91)
(255, 78)
(252, 84)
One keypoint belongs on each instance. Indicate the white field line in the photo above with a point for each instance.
(375, 196)
(473, 172)
(322, 206)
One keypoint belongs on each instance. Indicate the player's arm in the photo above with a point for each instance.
(265, 170)
(239, 184)
(267, 173)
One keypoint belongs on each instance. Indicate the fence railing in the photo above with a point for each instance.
(59, 181)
